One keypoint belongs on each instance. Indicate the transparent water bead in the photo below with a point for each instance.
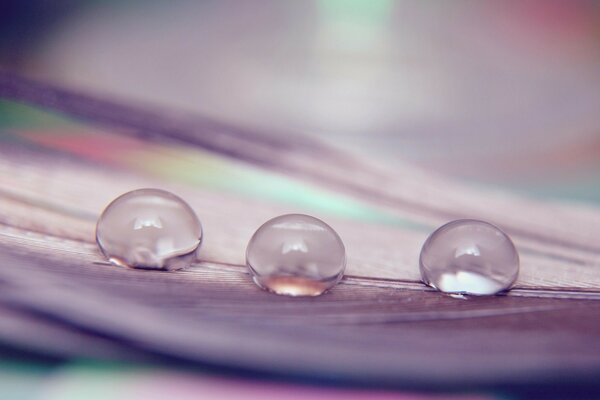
(296, 255)
(469, 257)
(150, 229)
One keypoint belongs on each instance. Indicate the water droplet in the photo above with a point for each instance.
(296, 255)
(150, 229)
(469, 257)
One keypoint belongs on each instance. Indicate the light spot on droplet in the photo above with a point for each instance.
(472, 250)
(140, 223)
(300, 245)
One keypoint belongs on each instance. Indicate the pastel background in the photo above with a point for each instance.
(502, 94)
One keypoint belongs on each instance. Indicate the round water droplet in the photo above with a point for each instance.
(296, 255)
(150, 229)
(469, 257)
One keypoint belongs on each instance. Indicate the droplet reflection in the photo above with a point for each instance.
(150, 229)
(296, 255)
(469, 257)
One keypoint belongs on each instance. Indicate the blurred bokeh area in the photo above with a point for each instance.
(500, 93)
(496, 94)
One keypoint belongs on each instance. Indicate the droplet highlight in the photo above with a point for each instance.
(149, 229)
(469, 257)
(296, 255)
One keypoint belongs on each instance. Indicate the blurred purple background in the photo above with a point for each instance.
(498, 92)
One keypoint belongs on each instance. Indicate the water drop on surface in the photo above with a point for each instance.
(149, 229)
(469, 257)
(296, 255)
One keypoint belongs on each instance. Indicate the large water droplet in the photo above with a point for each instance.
(469, 257)
(296, 255)
(150, 229)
